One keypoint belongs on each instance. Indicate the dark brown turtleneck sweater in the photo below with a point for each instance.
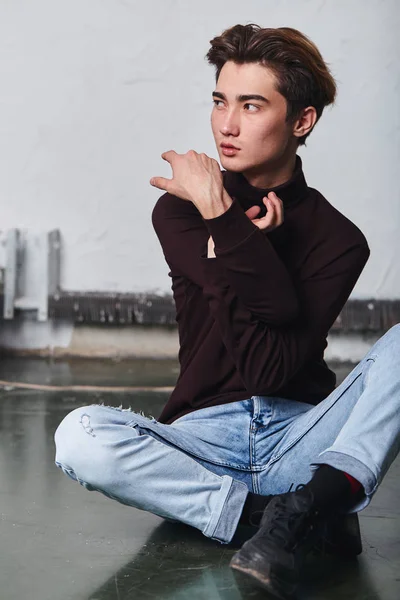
(254, 320)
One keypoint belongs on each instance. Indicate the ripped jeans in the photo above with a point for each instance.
(198, 470)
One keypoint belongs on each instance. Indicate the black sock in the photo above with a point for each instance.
(331, 489)
(253, 509)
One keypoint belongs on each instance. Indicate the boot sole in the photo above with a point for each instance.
(279, 588)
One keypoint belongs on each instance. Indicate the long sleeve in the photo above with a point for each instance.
(182, 235)
(265, 356)
(244, 256)
(252, 267)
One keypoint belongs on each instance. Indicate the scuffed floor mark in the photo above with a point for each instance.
(85, 422)
(116, 586)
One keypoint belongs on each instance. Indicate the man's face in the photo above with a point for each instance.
(258, 128)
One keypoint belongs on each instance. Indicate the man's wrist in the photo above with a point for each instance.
(210, 248)
(214, 205)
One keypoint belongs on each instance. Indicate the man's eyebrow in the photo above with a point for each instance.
(241, 97)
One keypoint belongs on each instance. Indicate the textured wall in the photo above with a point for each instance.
(92, 91)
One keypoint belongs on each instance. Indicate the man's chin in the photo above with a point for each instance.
(231, 164)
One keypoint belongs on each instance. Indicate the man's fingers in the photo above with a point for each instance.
(278, 207)
(253, 212)
(274, 216)
(161, 183)
(267, 222)
(169, 155)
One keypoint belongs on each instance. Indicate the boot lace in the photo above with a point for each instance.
(289, 527)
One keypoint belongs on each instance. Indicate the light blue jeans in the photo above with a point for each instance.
(198, 470)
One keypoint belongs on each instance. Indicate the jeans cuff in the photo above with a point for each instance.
(350, 465)
(223, 526)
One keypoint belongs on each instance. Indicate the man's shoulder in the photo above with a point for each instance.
(333, 222)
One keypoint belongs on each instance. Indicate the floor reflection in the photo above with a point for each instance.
(60, 541)
(178, 563)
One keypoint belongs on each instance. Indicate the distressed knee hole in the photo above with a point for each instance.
(85, 422)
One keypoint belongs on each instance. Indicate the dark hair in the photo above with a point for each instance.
(303, 77)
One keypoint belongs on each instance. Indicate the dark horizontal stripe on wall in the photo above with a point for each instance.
(119, 309)
(150, 309)
(368, 315)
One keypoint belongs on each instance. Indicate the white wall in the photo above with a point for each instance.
(92, 91)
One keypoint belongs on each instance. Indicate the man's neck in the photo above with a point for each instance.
(271, 176)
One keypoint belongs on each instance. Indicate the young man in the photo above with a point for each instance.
(261, 266)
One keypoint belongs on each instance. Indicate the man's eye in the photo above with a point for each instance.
(253, 105)
(216, 102)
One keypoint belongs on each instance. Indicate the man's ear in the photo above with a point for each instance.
(305, 122)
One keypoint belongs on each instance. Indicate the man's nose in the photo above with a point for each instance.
(230, 125)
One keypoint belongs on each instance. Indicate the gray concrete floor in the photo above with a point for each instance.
(60, 542)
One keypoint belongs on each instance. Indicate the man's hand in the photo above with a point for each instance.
(198, 178)
(273, 218)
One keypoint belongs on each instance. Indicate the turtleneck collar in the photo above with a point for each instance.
(291, 192)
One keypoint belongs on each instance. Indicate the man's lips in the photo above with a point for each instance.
(223, 145)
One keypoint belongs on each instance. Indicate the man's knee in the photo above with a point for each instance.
(388, 346)
(88, 443)
(394, 332)
(75, 452)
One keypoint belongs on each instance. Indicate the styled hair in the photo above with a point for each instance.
(303, 78)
